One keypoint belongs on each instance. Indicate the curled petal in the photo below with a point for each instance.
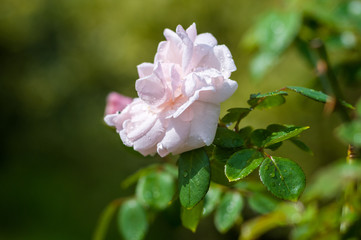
(145, 69)
(205, 38)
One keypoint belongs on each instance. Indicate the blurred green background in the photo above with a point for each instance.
(60, 165)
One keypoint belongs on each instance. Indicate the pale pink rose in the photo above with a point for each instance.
(179, 95)
(116, 103)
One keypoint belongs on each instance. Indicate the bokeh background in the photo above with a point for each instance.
(60, 165)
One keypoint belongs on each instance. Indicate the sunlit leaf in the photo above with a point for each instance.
(191, 217)
(242, 163)
(156, 189)
(235, 114)
(310, 93)
(316, 95)
(211, 200)
(228, 211)
(283, 178)
(194, 177)
(227, 138)
(132, 220)
(285, 134)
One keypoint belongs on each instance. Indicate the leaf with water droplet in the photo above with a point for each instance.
(156, 189)
(132, 220)
(228, 211)
(242, 163)
(194, 185)
(287, 133)
(283, 178)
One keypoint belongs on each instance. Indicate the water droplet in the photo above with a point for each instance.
(185, 174)
(272, 174)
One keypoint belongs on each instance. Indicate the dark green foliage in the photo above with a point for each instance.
(235, 114)
(227, 138)
(194, 177)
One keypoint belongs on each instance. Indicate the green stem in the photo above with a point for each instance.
(105, 218)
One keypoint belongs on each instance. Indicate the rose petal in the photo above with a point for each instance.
(145, 69)
(205, 38)
(175, 136)
(192, 32)
(151, 88)
(226, 61)
(204, 124)
(149, 140)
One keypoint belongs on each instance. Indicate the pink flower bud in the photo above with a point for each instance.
(116, 103)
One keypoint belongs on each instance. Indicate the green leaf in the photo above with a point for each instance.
(219, 159)
(242, 163)
(310, 93)
(301, 145)
(156, 189)
(191, 217)
(211, 200)
(285, 134)
(258, 136)
(194, 177)
(245, 132)
(228, 211)
(235, 114)
(283, 178)
(332, 180)
(132, 220)
(267, 100)
(222, 154)
(276, 127)
(217, 173)
(171, 169)
(350, 133)
(276, 30)
(273, 34)
(227, 138)
(261, 203)
(316, 95)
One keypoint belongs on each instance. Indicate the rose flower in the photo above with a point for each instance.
(179, 95)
